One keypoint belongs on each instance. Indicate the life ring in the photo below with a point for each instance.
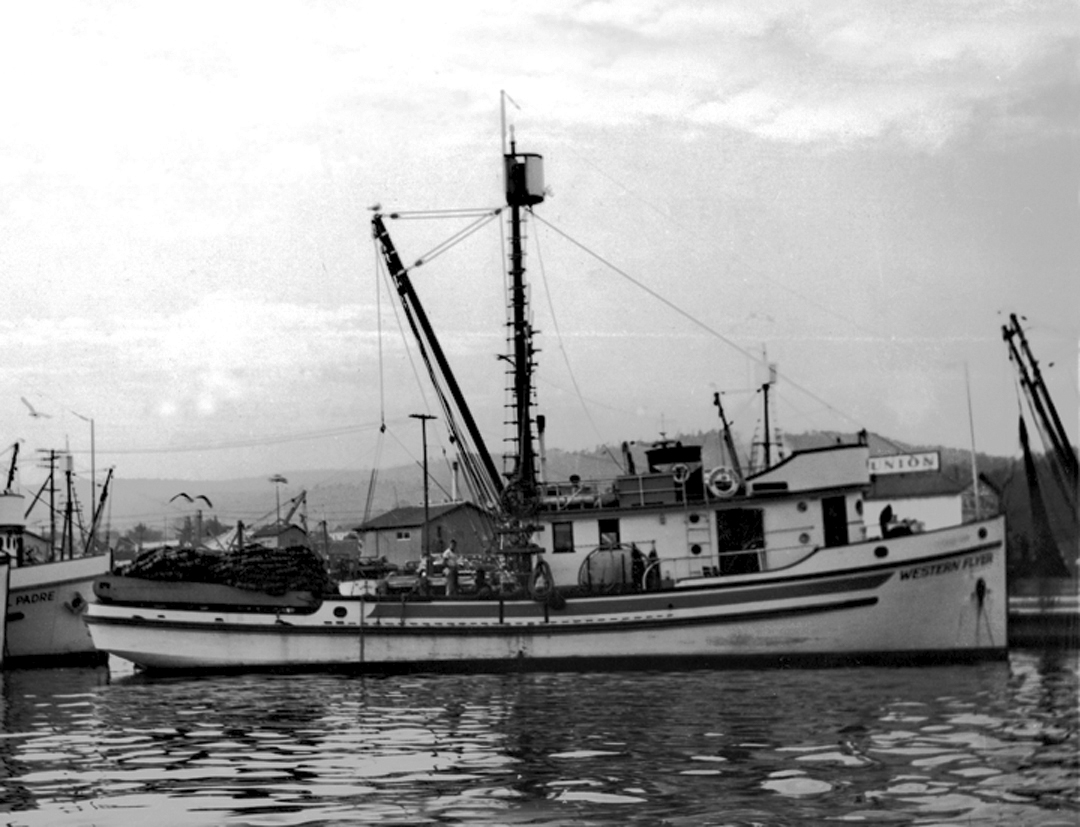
(541, 583)
(722, 482)
(680, 472)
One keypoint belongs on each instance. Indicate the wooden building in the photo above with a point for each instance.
(397, 535)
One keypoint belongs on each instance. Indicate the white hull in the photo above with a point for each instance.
(939, 594)
(46, 605)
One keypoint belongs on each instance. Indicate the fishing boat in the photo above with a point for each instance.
(1044, 589)
(675, 563)
(47, 594)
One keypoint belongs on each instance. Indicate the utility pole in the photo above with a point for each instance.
(423, 438)
(52, 508)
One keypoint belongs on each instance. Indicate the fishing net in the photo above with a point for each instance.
(270, 570)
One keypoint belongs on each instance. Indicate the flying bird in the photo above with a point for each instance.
(191, 499)
(34, 412)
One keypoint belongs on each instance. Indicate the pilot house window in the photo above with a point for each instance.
(562, 537)
(740, 529)
(609, 532)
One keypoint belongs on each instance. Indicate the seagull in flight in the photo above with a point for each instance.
(34, 412)
(191, 499)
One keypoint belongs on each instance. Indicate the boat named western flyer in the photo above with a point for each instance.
(673, 563)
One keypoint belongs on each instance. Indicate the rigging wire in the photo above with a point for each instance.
(475, 478)
(810, 300)
(373, 480)
(465, 212)
(1056, 471)
(380, 274)
(690, 318)
(420, 465)
(562, 349)
(456, 238)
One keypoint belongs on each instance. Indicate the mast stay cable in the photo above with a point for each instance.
(689, 317)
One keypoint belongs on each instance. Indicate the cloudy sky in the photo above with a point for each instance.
(859, 191)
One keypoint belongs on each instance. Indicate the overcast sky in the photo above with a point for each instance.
(863, 191)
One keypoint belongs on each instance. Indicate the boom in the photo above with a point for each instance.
(428, 341)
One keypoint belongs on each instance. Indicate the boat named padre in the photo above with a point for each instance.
(46, 599)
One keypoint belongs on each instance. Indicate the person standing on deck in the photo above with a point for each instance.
(450, 568)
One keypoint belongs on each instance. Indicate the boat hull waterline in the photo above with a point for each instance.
(938, 594)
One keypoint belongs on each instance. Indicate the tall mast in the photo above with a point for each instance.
(524, 188)
(768, 435)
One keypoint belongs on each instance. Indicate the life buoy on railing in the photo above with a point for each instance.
(680, 472)
(722, 482)
(541, 583)
(542, 586)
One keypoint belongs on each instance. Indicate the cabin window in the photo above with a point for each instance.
(562, 537)
(404, 535)
(609, 532)
(834, 516)
(740, 529)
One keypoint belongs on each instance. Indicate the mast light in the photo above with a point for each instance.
(524, 179)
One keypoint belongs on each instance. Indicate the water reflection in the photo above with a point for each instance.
(992, 743)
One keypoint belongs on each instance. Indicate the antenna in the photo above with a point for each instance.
(503, 98)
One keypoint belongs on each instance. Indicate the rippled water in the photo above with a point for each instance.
(993, 743)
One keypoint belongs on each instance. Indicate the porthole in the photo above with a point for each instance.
(982, 533)
(881, 551)
(804, 538)
(695, 549)
(802, 506)
(340, 611)
(695, 518)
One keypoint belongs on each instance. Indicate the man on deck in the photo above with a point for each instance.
(450, 566)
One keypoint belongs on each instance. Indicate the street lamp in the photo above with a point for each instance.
(277, 479)
(423, 436)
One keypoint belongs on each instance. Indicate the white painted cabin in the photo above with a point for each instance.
(669, 514)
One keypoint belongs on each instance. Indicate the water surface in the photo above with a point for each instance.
(993, 743)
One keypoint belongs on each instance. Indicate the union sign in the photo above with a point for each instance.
(905, 463)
